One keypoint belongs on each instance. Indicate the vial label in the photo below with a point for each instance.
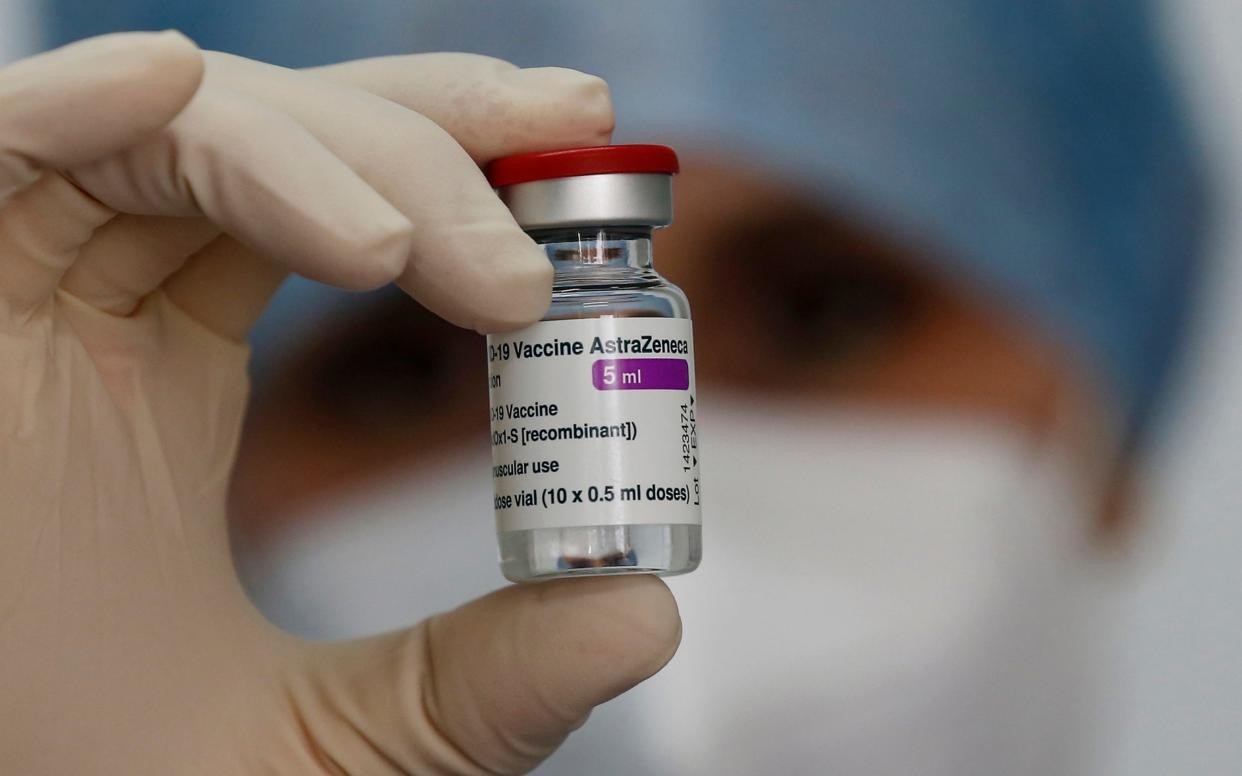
(593, 423)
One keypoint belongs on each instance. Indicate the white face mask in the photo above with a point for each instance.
(879, 595)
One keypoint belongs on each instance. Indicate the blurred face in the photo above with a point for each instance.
(816, 308)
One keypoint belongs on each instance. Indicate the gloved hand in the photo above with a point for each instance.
(151, 199)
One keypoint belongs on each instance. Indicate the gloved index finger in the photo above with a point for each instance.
(491, 107)
(75, 104)
(470, 263)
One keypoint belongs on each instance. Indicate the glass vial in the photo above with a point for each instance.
(594, 409)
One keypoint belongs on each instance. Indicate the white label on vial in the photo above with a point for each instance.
(593, 423)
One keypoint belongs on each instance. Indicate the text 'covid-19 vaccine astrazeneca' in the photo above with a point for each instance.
(595, 452)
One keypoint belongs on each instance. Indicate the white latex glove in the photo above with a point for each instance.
(151, 199)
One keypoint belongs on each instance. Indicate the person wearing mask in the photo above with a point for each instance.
(940, 263)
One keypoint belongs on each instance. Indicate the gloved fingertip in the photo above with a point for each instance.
(383, 254)
(640, 613)
(486, 275)
(582, 102)
(175, 40)
(153, 74)
(169, 57)
(176, 36)
(519, 293)
(362, 253)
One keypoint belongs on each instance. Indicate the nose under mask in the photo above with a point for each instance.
(879, 594)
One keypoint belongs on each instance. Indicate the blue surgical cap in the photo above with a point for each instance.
(1036, 149)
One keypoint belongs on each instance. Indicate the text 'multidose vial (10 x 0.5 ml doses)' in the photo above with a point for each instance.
(595, 455)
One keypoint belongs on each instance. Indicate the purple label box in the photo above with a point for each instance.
(641, 374)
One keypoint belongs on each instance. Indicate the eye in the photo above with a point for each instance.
(824, 290)
(377, 378)
(841, 311)
(392, 365)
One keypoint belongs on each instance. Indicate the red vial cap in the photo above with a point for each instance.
(573, 162)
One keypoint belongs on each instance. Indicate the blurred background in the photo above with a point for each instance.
(984, 272)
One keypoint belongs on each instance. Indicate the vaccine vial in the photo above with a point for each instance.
(595, 455)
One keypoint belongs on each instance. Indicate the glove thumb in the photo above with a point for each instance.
(494, 686)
